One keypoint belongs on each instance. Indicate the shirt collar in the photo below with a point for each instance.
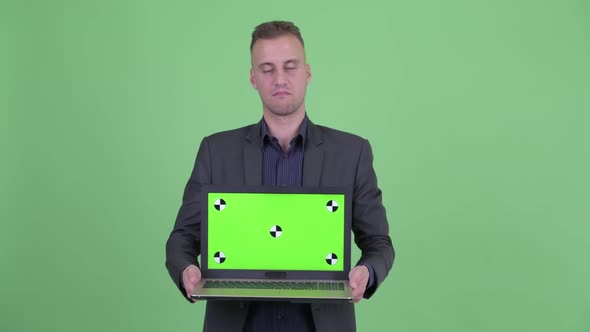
(302, 131)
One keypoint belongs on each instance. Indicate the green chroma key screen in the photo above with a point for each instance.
(276, 231)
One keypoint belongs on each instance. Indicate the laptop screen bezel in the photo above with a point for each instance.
(275, 274)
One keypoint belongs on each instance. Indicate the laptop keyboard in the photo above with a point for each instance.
(297, 285)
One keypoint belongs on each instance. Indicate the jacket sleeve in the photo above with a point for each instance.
(184, 245)
(369, 221)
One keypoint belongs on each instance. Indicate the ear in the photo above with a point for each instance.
(307, 73)
(252, 79)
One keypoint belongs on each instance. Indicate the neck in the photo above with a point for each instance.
(284, 127)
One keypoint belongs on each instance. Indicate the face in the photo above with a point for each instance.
(280, 74)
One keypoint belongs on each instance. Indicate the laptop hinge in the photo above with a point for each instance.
(275, 275)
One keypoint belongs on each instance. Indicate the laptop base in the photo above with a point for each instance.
(255, 293)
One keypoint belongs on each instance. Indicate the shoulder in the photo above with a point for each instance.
(331, 136)
(231, 136)
(335, 133)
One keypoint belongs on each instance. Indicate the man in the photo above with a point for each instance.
(284, 148)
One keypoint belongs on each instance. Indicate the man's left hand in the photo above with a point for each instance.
(358, 278)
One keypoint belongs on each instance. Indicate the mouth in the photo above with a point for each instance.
(281, 93)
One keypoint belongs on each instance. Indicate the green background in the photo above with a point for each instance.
(477, 112)
(309, 231)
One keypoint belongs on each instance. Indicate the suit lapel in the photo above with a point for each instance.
(253, 157)
(313, 156)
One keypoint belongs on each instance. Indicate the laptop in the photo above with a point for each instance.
(275, 244)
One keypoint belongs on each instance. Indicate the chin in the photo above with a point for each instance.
(282, 111)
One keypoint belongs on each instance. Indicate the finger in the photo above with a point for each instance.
(356, 299)
(189, 293)
(355, 277)
(188, 296)
(361, 282)
(357, 293)
(358, 280)
(189, 287)
(354, 281)
(360, 291)
(193, 280)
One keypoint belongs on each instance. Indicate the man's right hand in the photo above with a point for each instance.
(190, 278)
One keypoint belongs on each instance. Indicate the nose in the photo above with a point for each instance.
(280, 78)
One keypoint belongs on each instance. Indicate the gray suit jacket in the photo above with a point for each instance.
(331, 158)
